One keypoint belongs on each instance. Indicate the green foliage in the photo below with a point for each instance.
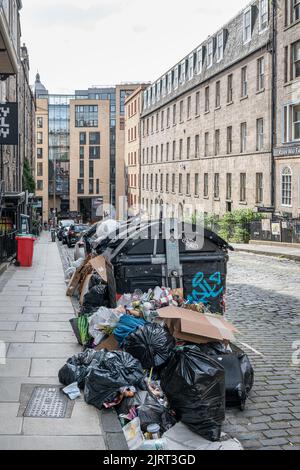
(234, 226)
(28, 180)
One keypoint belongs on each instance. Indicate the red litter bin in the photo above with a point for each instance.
(25, 250)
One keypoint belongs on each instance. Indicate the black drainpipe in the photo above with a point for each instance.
(274, 101)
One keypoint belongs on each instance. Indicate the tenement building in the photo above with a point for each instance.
(17, 126)
(80, 150)
(287, 102)
(134, 106)
(224, 123)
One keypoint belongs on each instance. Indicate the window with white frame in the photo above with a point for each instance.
(149, 97)
(145, 99)
(286, 187)
(296, 59)
(296, 123)
(199, 60)
(296, 10)
(169, 82)
(247, 26)
(244, 82)
(153, 94)
(259, 134)
(263, 15)
(191, 66)
(291, 117)
(260, 74)
(182, 72)
(164, 86)
(220, 46)
(158, 85)
(210, 53)
(176, 77)
(243, 137)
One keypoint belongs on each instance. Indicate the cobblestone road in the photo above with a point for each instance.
(264, 303)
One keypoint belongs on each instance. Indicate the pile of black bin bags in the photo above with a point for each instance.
(197, 380)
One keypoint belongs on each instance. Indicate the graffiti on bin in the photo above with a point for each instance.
(205, 290)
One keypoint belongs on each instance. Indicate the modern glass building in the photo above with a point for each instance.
(75, 177)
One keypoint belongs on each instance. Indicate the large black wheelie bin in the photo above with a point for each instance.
(146, 254)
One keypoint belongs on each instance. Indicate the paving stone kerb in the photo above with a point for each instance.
(34, 314)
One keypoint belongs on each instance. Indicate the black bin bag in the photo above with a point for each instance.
(97, 296)
(239, 373)
(116, 370)
(152, 345)
(195, 387)
(76, 368)
(152, 412)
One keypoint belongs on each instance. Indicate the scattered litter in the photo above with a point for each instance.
(180, 437)
(158, 356)
(133, 434)
(103, 323)
(72, 391)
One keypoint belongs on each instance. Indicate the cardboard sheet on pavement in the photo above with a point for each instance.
(197, 327)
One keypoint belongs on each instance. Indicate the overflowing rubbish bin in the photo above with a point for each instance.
(158, 349)
(164, 253)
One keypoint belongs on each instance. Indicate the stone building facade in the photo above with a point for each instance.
(15, 87)
(224, 123)
(207, 122)
(287, 99)
(134, 107)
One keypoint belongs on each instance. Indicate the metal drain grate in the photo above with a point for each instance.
(47, 402)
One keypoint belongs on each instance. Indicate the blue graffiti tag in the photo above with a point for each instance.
(203, 290)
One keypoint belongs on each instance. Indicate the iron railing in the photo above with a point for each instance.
(276, 230)
(8, 246)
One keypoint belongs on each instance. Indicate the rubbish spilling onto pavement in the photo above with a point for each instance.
(159, 357)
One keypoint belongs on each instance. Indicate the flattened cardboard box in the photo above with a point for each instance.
(196, 327)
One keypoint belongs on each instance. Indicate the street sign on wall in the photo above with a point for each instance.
(9, 125)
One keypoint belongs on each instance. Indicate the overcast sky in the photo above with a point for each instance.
(75, 44)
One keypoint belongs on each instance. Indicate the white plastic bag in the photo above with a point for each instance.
(104, 317)
(133, 434)
(77, 264)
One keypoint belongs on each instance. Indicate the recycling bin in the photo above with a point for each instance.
(143, 257)
(25, 250)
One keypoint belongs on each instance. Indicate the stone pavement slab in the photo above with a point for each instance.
(7, 326)
(54, 337)
(15, 368)
(20, 350)
(55, 318)
(6, 317)
(91, 443)
(20, 336)
(9, 423)
(50, 310)
(46, 367)
(43, 326)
